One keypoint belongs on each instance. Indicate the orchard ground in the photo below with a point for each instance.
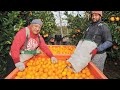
(112, 69)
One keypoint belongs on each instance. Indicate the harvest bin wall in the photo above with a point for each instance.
(93, 69)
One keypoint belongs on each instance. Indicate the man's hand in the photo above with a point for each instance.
(20, 66)
(93, 52)
(54, 60)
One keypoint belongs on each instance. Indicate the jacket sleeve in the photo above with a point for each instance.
(44, 47)
(17, 43)
(107, 39)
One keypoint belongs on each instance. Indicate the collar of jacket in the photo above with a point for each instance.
(96, 23)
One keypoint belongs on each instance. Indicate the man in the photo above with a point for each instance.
(52, 41)
(25, 45)
(58, 39)
(65, 40)
(100, 34)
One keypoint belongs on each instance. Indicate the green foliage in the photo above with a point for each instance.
(114, 52)
(48, 21)
(76, 23)
(7, 20)
(7, 30)
(64, 29)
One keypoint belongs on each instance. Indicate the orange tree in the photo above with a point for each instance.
(112, 18)
(12, 22)
(7, 20)
(48, 19)
(77, 25)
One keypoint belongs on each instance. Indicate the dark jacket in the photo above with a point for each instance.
(100, 34)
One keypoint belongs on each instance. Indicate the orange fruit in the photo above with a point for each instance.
(23, 74)
(70, 70)
(57, 72)
(56, 65)
(20, 74)
(88, 73)
(64, 77)
(41, 70)
(56, 77)
(83, 71)
(43, 66)
(43, 59)
(53, 74)
(69, 77)
(59, 76)
(76, 75)
(91, 77)
(87, 78)
(36, 76)
(45, 70)
(45, 62)
(64, 73)
(112, 19)
(83, 75)
(36, 69)
(32, 77)
(31, 61)
(17, 77)
(28, 64)
(80, 77)
(49, 67)
(68, 73)
(38, 66)
(41, 63)
(63, 66)
(69, 64)
(28, 76)
(49, 77)
(117, 18)
(50, 73)
(72, 75)
(65, 70)
(29, 68)
(37, 63)
(45, 75)
(59, 64)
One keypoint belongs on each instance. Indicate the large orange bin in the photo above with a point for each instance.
(93, 69)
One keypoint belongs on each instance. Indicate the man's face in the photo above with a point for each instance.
(95, 17)
(35, 28)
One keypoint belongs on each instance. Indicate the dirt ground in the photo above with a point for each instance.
(112, 69)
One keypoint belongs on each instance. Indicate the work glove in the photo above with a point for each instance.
(54, 60)
(38, 50)
(94, 52)
(20, 66)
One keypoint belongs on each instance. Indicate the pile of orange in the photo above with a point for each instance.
(42, 68)
(62, 49)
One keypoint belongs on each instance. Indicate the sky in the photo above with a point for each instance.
(64, 22)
